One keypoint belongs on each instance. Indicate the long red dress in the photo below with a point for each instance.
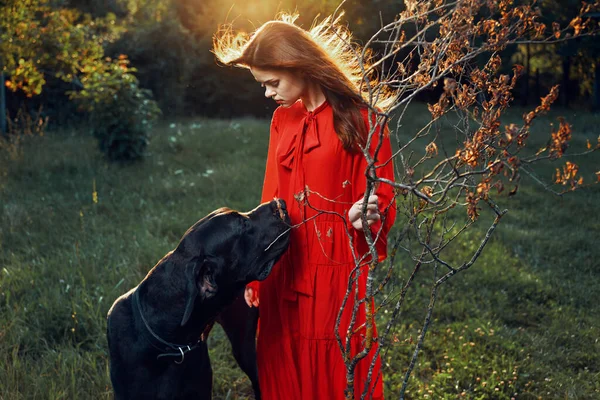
(298, 354)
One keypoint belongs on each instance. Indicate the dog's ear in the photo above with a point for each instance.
(199, 281)
(192, 270)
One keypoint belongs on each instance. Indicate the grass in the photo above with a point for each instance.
(523, 322)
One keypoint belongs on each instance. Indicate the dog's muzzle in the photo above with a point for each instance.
(281, 209)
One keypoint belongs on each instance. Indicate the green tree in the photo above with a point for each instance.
(42, 41)
(38, 42)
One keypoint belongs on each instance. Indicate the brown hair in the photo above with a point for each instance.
(324, 54)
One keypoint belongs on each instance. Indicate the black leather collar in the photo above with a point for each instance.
(179, 350)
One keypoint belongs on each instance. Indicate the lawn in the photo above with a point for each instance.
(77, 231)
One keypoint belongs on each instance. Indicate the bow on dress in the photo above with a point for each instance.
(299, 274)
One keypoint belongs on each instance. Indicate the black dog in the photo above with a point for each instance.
(155, 331)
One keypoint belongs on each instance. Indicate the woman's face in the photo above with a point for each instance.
(283, 86)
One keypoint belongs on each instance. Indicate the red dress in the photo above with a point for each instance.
(298, 354)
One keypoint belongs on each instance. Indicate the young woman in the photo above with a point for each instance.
(315, 164)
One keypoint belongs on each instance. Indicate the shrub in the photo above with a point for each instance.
(121, 113)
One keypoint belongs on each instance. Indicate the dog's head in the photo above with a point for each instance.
(228, 249)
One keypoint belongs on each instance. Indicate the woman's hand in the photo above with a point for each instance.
(372, 212)
(251, 297)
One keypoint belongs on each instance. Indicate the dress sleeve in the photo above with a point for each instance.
(269, 190)
(385, 192)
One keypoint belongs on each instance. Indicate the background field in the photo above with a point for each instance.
(76, 232)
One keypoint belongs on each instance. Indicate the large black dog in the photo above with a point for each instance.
(157, 331)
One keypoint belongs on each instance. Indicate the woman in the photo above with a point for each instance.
(315, 164)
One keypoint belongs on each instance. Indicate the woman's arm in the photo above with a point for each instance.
(381, 212)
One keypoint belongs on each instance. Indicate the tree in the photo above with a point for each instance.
(39, 43)
(562, 61)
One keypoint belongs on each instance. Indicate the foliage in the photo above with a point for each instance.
(67, 35)
(571, 62)
(167, 53)
(41, 42)
(38, 42)
(122, 113)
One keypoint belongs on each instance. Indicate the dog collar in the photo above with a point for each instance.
(179, 350)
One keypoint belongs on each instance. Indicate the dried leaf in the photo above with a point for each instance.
(431, 149)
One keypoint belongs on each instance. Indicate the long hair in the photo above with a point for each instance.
(325, 55)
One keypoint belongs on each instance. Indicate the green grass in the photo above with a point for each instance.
(523, 320)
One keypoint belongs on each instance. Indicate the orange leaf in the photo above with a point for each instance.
(427, 191)
(556, 29)
(431, 149)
